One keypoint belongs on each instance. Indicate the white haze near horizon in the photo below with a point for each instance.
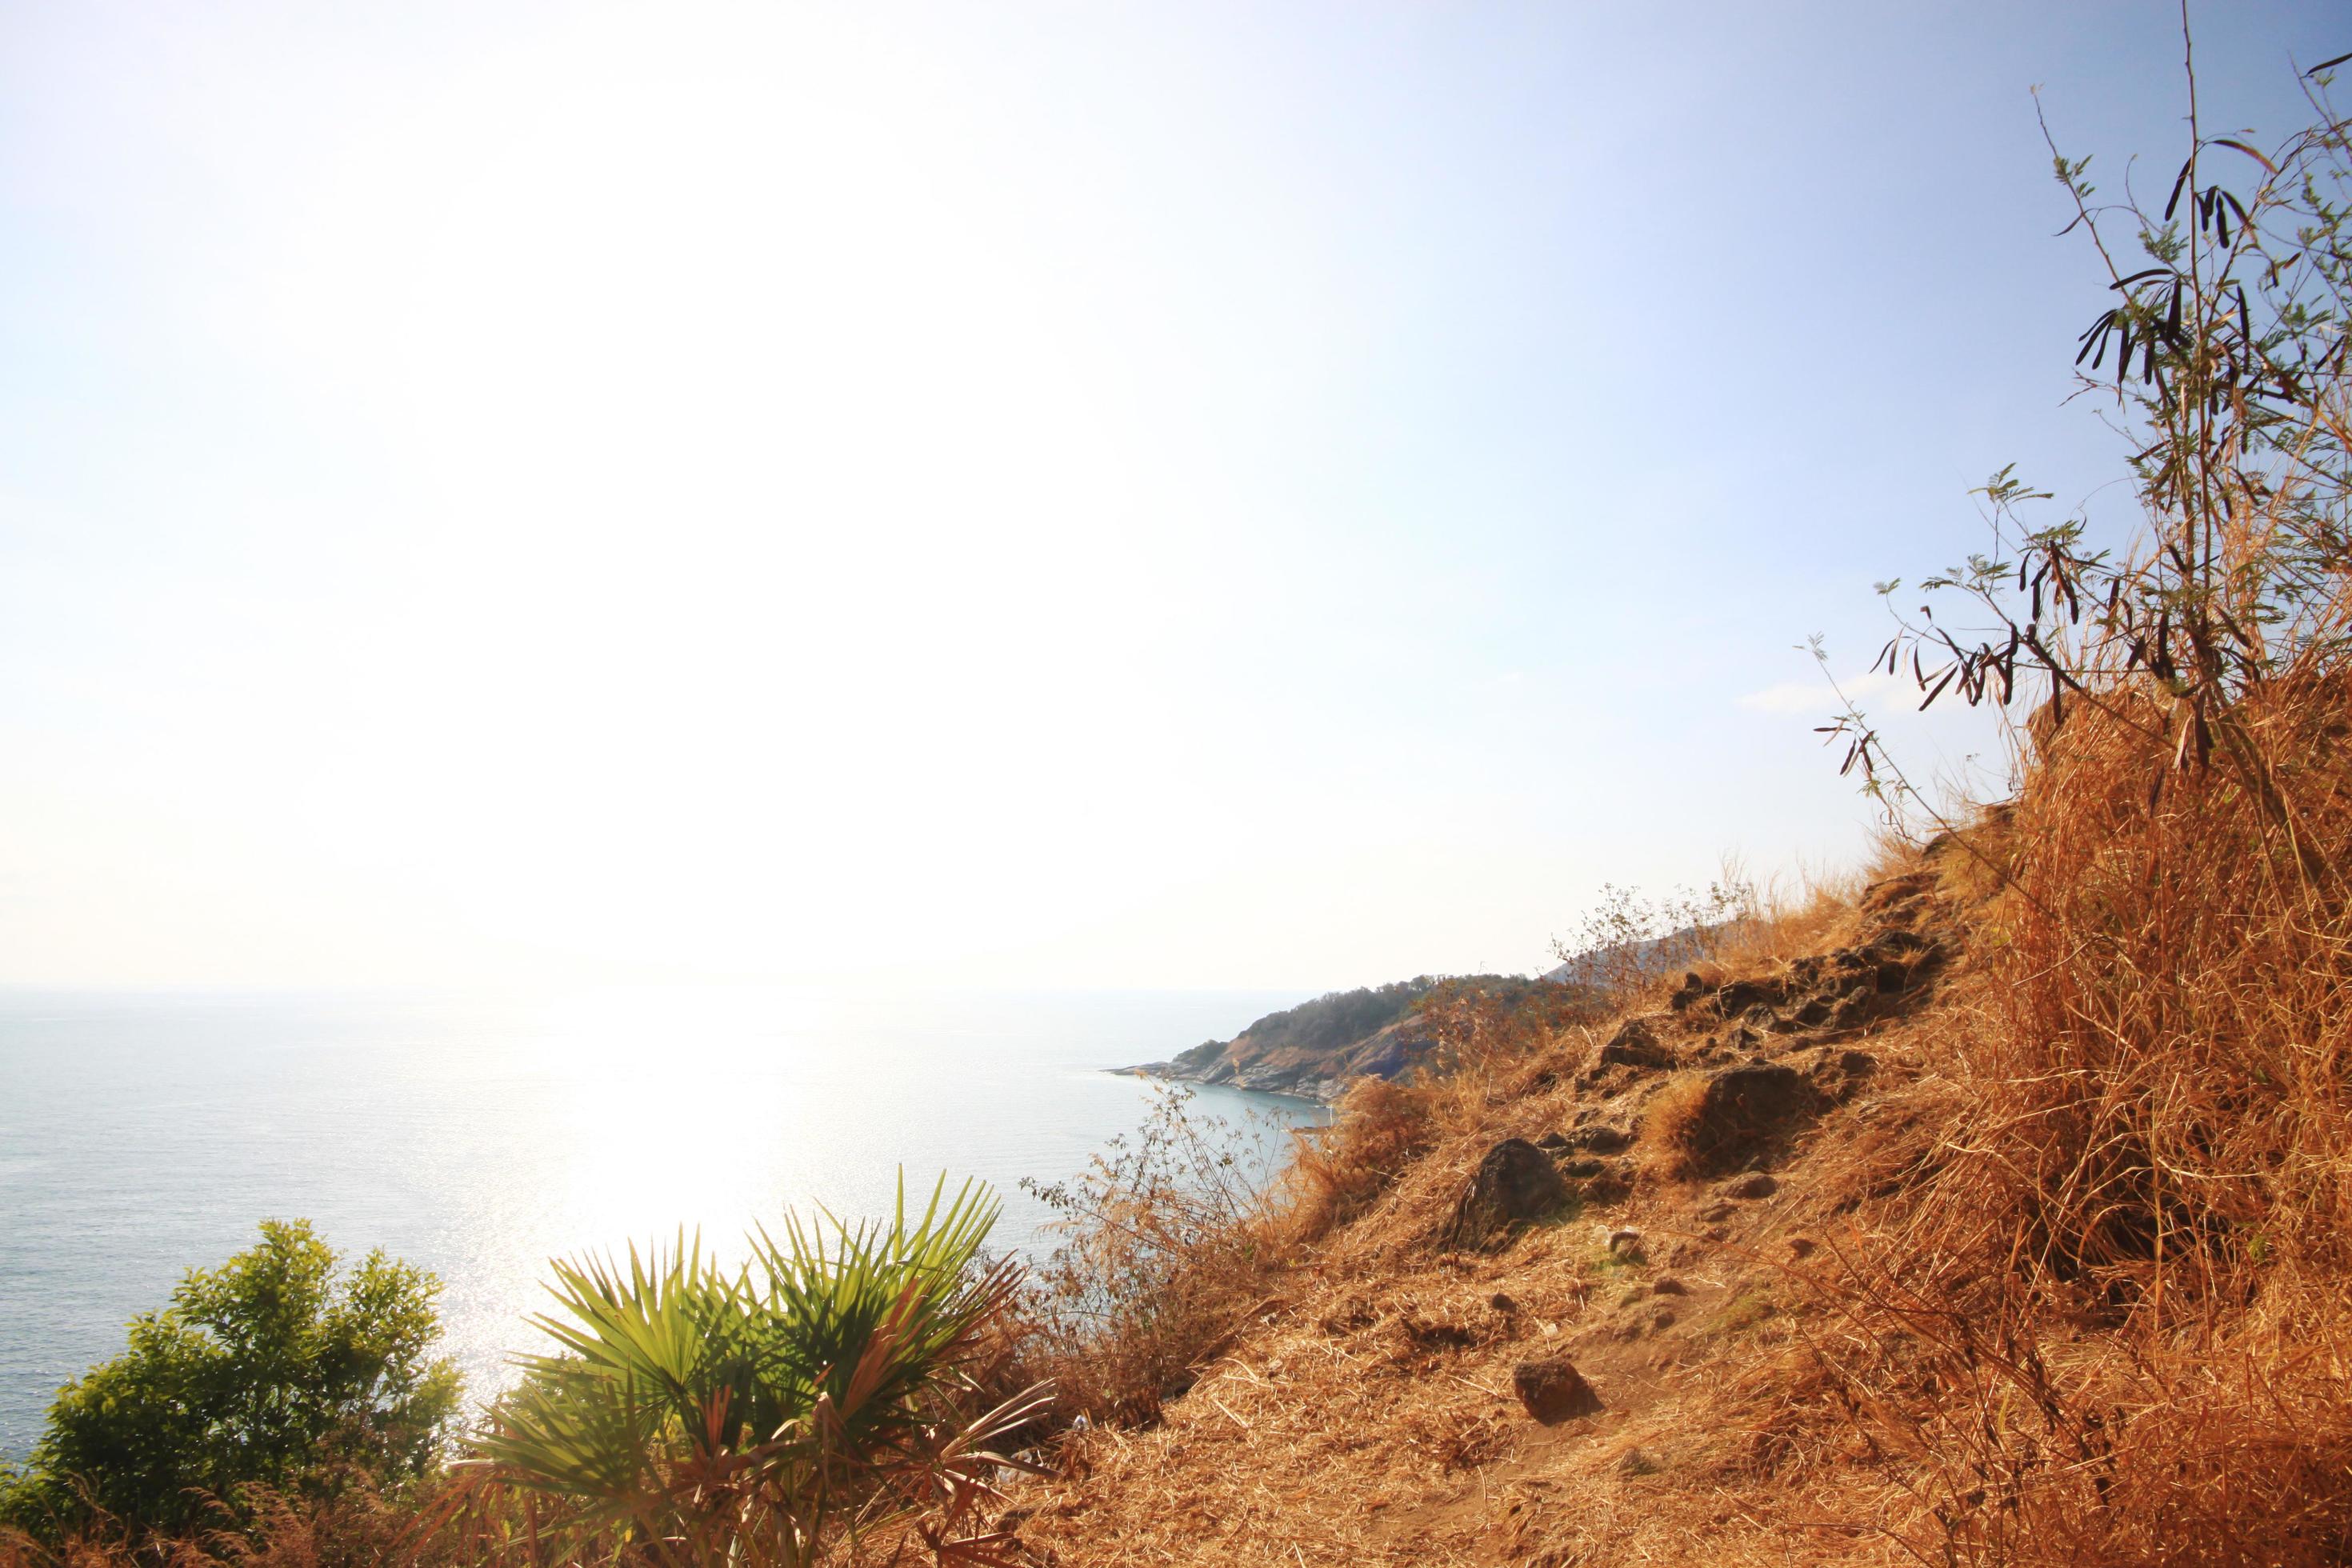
(1057, 495)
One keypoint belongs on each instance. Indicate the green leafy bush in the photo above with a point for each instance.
(268, 1372)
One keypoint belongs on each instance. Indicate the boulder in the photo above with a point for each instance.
(1516, 1183)
(1553, 1391)
(1742, 1114)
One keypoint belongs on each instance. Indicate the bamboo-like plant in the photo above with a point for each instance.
(2232, 377)
(692, 1415)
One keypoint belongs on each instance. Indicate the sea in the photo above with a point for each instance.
(145, 1133)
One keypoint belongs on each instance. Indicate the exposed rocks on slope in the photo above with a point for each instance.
(1516, 1184)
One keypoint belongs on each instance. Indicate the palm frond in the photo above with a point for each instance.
(706, 1415)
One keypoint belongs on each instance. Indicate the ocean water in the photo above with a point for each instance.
(144, 1133)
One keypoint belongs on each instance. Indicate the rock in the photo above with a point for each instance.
(1667, 1285)
(1886, 896)
(1553, 1391)
(1851, 1010)
(1553, 1142)
(1502, 1303)
(1577, 1169)
(1601, 1140)
(1516, 1182)
(1635, 1047)
(1799, 1248)
(1743, 995)
(1837, 1074)
(1689, 991)
(1716, 1213)
(1741, 1112)
(1755, 1185)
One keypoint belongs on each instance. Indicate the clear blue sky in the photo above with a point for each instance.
(1084, 495)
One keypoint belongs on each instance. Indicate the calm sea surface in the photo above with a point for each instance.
(143, 1133)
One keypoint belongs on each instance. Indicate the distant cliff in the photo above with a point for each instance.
(1314, 1050)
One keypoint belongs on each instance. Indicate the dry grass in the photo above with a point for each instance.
(2127, 1276)
(355, 1526)
(1338, 1172)
(1670, 1127)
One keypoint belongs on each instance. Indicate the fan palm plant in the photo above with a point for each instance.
(694, 1416)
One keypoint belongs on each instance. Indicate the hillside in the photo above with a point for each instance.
(1747, 1273)
(1316, 1049)
(1369, 1415)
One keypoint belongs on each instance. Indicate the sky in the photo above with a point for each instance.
(1078, 495)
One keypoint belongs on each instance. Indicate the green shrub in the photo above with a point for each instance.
(267, 1372)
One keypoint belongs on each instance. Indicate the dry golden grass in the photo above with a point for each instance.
(2127, 1270)
(1670, 1126)
(356, 1527)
